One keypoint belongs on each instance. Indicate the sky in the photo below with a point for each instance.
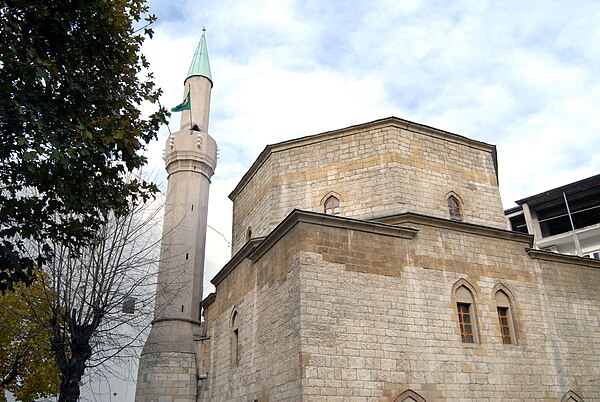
(523, 75)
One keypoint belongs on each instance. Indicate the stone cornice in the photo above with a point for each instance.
(356, 129)
(163, 319)
(419, 219)
(236, 259)
(190, 163)
(564, 258)
(255, 248)
(208, 300)
(298, 216)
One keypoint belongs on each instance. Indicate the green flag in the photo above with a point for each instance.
(186, 105)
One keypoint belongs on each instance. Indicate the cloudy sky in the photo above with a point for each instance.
(521, 75)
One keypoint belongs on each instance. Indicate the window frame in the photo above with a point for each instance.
(503, 299)
(454, 208)
(128, 305)
(235, 338)
(465, 322)
(333, 199)
(463, 293)
(409, 395)
(504, 322)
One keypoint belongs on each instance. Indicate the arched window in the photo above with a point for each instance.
(409, 396)
(454, 208)
(571, 397)
(235, 338)
(505, 317)
(249, 233)
(466, 312)
(332, 206)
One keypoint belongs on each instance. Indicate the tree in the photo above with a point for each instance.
(27, 365)
(97, 301)
(70, 123)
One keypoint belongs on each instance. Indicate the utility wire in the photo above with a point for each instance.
(221, 234)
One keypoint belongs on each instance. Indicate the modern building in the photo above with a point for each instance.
(370, 263)
(565, 219)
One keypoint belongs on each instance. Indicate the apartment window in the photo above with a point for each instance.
(505, 319)
(595, 255)
(332, 206)
(454, 208)
(129, 305)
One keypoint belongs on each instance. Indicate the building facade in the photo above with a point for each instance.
(373, 263)
(565, 219)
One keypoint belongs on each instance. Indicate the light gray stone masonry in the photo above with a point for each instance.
(375, 169)
(332, 310)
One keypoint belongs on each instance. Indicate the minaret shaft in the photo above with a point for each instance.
(200, 100)
(181, 269)
(168, 360)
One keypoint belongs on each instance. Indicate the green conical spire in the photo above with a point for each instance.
(200, 65)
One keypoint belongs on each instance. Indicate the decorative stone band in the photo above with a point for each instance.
(176, 319)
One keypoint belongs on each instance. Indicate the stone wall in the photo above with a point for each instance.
(167, 377)
(378, 323)
(351, 311)
(376, 169)
(265, 295)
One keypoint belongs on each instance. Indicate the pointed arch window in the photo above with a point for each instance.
(467, 314)
(409, 396)
(505, 317)
(235, 339)
(454, 208)
(571, 397)
(332, 206)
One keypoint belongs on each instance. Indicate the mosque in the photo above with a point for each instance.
(369, 263)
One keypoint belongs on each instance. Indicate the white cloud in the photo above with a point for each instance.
(514, 74)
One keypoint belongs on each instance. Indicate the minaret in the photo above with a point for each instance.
(168, 361)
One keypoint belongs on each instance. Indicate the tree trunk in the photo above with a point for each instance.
(75, 368)
(69, 390)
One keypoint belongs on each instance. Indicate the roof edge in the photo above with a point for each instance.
(566, 258)
(208, 300)
(465, 227)
(559, 190)
(391, 121)
(299, 216)
(236, 259)
(257, 247)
